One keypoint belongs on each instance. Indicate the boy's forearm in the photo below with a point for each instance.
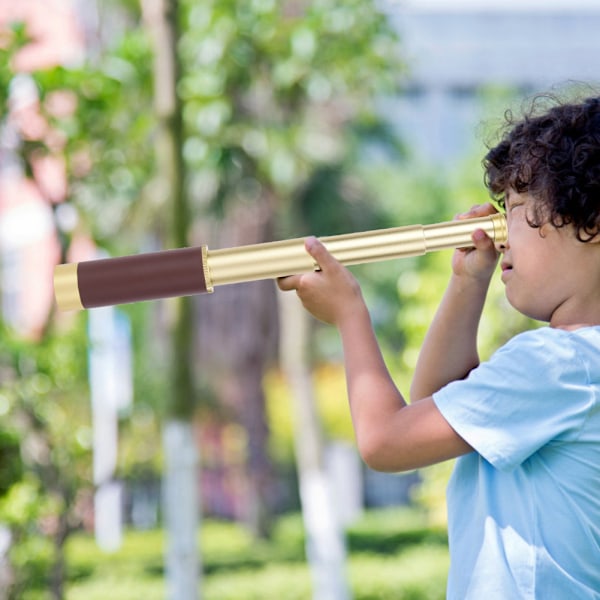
(372, 394)
(449, 351)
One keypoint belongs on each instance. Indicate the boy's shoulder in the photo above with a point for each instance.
(532, 339)
(548, 335)
(549, 345)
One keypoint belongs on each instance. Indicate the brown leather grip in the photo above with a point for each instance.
(147, 276)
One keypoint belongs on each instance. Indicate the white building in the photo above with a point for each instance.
(456, 49)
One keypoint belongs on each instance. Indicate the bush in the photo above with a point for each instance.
(393, 555)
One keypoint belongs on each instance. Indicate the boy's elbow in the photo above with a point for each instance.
(414, 393)
(378, 455)
(419, 390)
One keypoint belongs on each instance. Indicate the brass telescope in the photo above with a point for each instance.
(197, 270)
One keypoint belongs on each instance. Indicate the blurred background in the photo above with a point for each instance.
(202, 447)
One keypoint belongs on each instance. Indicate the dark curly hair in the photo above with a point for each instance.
(554, 156)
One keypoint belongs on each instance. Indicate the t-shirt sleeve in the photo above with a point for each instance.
(533, 391)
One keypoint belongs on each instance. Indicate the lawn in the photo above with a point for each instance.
(393, 555)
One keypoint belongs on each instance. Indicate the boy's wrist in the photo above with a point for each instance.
(469, 286)
(353, 313)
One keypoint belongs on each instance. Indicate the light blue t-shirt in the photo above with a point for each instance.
(524, 508)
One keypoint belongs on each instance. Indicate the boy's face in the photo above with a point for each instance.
(549, 275)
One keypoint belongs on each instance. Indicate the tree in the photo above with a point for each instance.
(181, 460)
(325, 544)
(45, 380)
(43, 384)
(277, 100)
(274, 97)
(41, 483)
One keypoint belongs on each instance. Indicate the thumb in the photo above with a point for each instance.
(481, 240)
(318, 251)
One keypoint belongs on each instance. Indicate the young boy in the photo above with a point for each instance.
(524, 498)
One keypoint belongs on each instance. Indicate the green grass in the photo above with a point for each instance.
(393, 555)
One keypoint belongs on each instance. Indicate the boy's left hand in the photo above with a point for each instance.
(480, 261)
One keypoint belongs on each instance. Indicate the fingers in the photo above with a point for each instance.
(287, 284)
(317, 250)
(477, 210)
(322, 257)
(481, 240)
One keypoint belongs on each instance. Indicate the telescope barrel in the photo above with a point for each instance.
(196, 270)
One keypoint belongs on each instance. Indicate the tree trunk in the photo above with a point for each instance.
(57, 575)
(180, 497)
(7, 576)
(181, 455)
(238, 335)
(325, 547)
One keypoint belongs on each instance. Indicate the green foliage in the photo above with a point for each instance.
(389, 530)
(416, 574)
(11, 464)
(42, 398)
(329, 383)
(32, 560)
(393, 555)
(13, 38)
(102, 110)
(274, 95)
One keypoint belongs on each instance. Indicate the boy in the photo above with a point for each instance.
(524, 498)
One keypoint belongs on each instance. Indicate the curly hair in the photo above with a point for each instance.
(555, 157)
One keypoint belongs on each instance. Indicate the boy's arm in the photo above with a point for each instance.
(449, 351)
(391, 435)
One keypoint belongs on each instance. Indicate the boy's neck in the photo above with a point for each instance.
(575, 326)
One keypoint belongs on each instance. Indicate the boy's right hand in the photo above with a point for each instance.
(330, 294)
(480, 261)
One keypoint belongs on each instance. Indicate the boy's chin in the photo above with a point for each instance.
(537, 313)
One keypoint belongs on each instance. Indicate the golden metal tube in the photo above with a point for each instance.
(277, 259)
(187, 271)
